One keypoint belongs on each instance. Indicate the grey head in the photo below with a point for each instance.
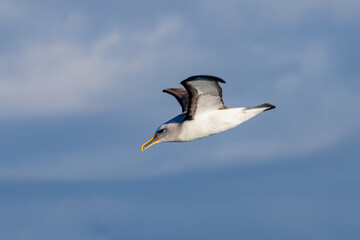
(167, 132)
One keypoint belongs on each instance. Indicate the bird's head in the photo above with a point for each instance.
(167, 132)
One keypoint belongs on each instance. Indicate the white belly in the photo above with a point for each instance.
(215, 122)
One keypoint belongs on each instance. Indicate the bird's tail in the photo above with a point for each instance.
(263, 107)
(247, 113)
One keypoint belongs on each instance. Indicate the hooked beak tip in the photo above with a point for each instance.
(149, 143)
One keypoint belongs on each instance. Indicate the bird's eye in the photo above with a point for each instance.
(161, 131)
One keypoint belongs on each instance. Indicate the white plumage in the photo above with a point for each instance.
(215, 121)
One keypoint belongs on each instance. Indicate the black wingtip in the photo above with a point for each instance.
(269, 106)
(203, 77)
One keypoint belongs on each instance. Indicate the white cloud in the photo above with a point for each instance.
(53, 78)
(62, 76)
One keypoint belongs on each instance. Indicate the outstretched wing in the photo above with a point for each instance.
(205, 94)
(181, 95)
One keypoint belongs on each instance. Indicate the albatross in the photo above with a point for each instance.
(203, 112)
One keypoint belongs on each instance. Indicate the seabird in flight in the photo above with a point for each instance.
(203, 112)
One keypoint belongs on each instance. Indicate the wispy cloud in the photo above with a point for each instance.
(68, 76)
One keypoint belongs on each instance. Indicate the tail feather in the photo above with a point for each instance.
(267, 106)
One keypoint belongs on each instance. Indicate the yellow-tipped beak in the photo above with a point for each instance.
(149, 143)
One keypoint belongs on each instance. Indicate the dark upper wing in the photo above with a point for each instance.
(205, 94)
(181, 95)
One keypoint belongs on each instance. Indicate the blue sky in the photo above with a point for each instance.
(80, 91)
